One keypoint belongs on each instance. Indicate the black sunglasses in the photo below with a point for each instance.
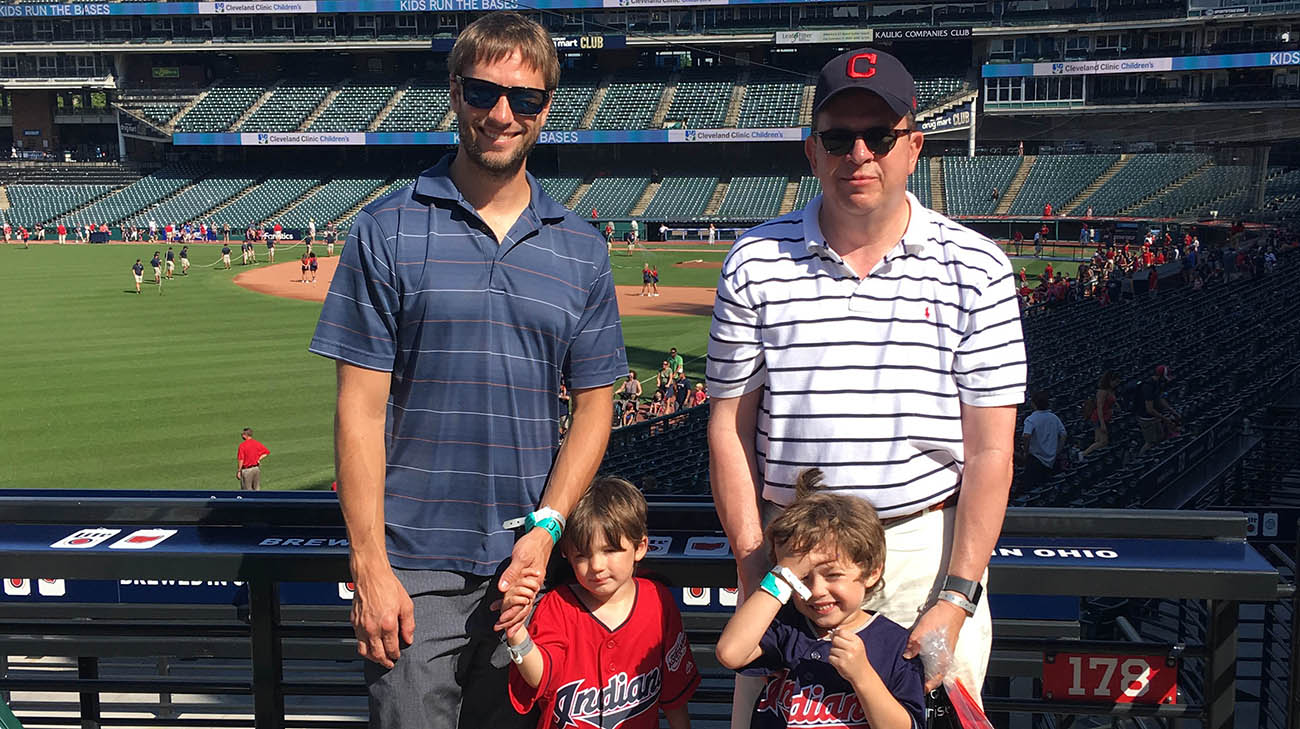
(880, 140)
(482, 94)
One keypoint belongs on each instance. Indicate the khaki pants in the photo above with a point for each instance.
(250, 479)
(915, 565)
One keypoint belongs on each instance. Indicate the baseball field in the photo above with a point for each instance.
(106, 389)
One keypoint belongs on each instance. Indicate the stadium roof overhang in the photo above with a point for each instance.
(1237, 123)
(58, 83)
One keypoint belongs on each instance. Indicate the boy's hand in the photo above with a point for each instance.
(518, 599)
(848, 654)
(801, 565)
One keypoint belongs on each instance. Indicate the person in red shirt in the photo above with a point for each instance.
(248, 462)
(63, 233)
(1147, 258)
(1047, 210)
(1153, 280)
(1047, 273)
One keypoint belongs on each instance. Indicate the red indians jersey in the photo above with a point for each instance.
(597, 677)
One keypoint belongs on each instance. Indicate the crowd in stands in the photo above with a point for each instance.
(636, 401)
(1118, 272)
(190, 232)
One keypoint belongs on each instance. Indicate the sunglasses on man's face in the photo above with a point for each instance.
(482, 94)
(879, 140)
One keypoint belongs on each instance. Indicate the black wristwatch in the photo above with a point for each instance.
(972, 589)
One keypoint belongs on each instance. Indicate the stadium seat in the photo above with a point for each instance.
(32, 204)
(968, 182)
(265, 199)
(354, 108)
(612, 197)
(772, 99)
(330, 202)
(630, 101)
(701, 99)
(752, 198)
(681, 198)
(286, 108)
(421, 108)
(1058, 179)
(225, 103)
(1143, 174)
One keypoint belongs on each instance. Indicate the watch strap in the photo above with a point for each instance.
(967, 606)
(972, 590)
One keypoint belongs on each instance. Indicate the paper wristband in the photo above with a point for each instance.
(775, 588)
(793, 581)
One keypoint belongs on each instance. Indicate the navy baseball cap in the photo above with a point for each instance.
(870, 70)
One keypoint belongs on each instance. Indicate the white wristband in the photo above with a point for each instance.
(957, 599)
(793, 581)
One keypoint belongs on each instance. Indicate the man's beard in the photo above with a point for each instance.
(496, 167)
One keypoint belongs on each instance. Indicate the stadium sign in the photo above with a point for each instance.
(562, 43)
(280, 7)
(949, 121)
(922, 34)
(802, 37)
(436, 139)
(1142, 65)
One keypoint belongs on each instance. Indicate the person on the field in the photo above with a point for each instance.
(156, 262)
(606, 622)
(850, 281)
(185, 260)
(137, 272)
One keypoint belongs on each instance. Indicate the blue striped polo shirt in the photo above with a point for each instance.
(476, 336)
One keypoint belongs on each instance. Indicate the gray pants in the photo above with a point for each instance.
(455, 672)
(250, 479)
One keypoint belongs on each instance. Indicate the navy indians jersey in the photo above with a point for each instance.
(805, 690)
(601, 677)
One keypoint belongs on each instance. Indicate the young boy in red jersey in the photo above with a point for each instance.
(609, 649)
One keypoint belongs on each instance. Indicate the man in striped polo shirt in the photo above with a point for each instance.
(458, 305)
(879, 341)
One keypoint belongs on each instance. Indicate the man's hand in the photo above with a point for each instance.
(382, 614)
(946, 619)
(848, 654)
(531, 554)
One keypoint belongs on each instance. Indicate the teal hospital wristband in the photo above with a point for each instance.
(775, 588)
(548, 519)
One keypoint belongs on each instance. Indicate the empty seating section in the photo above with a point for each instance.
(1282, 195)
(570, 102)
(159, 114)
(771, 100)
(1057, 179)
(752, 198)
(1201, 188)
(1137, 179)
(263, 201)
(142, 193)
(612, 197)
(399, 183)
(32, 204)
(330, 202)
(930, 89)
(560, 188)
(968, 181)
(191, 204)
(225, 103)
(286, 108)
(919, 182)
(629, 102)
(354, 108)
(421, 109)
(701, 99)
(809, 188)
(681, 198)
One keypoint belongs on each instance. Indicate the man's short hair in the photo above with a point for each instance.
(613, 508)
(248, 431)
(496, 35)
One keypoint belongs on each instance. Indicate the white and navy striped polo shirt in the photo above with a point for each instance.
(865, 377)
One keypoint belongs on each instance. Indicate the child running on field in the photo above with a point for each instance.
(608, 649)
(829, 661)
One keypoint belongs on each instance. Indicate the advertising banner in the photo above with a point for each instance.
(1143, 65)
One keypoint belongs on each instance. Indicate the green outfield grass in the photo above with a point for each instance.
(103, 388)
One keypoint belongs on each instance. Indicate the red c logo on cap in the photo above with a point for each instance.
(853, 72)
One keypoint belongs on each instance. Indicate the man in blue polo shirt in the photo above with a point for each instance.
(457, 307)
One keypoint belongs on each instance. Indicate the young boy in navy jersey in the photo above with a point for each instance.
(608, 649)
(830, 663)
